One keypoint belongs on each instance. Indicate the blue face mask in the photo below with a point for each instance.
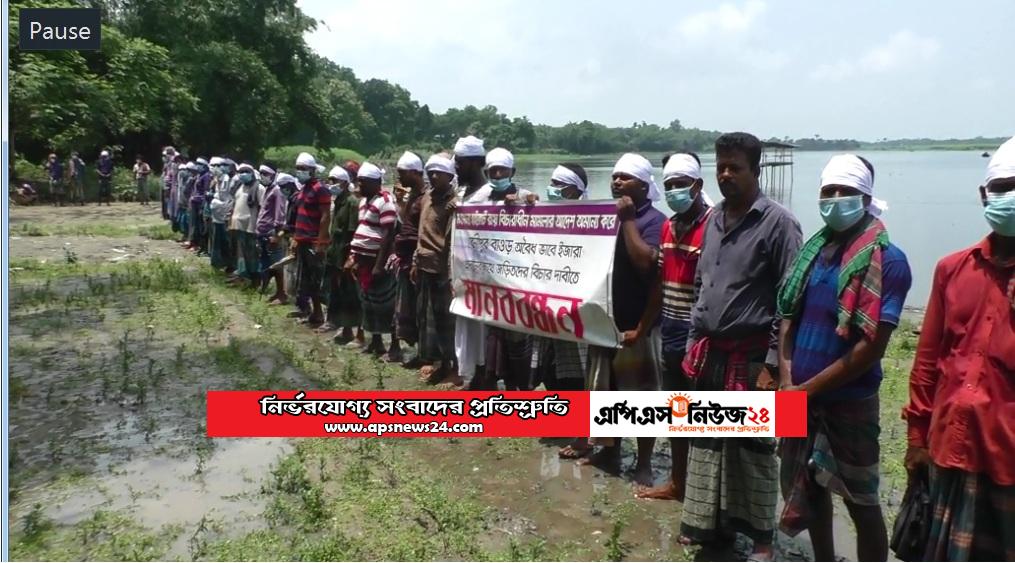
(679, 199)
(553, 193)
(335, 189)
(303, 175)
(841, 213)
(246, 177)
(501, 184)
(1000, 213)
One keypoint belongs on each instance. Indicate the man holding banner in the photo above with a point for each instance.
(636, 366)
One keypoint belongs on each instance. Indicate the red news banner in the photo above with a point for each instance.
(491, 414)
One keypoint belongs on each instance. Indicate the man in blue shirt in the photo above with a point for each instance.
(105, 171)
(54, 170)
(636, 366)
(840, 302)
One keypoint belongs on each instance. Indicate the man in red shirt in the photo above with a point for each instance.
(672, 295)
(961, 413)
(311, 235)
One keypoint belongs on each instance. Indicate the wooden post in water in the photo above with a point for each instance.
(777, 170)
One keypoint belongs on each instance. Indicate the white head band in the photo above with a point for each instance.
(1002, 164)
(848, 170)
(567, 176)
(639, 167)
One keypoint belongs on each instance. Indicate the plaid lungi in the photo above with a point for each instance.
(434, 319)
(509, 357)
(632, 368)
(840, 453)
(344, 308)
(405, 308)
(560, 364)
(220, 247)
(377, 295)
(974, 518)
(309, 270)
(196, 223)
(732, 483)
(247, 263)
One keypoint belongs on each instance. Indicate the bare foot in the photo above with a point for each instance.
(643, 475)
(575, 450)
(415, 363)
(666, 491)
(451, 383)
(607, 459)
(426, 371)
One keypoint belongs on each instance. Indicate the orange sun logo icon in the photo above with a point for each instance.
(679, 404)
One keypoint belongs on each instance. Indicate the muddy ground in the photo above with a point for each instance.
(115, 335)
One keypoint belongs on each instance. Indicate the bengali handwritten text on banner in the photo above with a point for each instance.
(541, 269)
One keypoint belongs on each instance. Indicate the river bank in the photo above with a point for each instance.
(116, 335)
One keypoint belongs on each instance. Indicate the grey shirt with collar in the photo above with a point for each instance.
(740, 270)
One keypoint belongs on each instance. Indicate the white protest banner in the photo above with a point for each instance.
(541, 269)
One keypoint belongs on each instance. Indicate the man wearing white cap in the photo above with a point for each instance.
(345, 313)
(961, 390)
(410, 200)
(198, 193)
(170, 167)
(247, 192)
(311, 236)
(508, 353)
(636, 366)
(273, 233)
(749, 245)
(839, 304)
(672, 295)
(371, 247)
(104, 167)
(470, 336)
(470, 156)
(431, 272)
(221, 208)
(184, 173)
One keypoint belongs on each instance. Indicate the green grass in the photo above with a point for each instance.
(547, 157)
(105, 536)
(155, 231)
(894, 395)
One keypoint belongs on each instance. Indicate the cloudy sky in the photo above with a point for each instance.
(859, 69)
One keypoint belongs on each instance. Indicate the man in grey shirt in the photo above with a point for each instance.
(750, 242)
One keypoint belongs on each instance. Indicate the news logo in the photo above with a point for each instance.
(712, 413)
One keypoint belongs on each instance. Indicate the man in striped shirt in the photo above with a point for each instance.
(371, 245)
(673, 295)
(311, 235)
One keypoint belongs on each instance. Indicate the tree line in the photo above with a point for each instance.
(236, 77)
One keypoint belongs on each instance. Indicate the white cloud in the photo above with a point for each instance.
(726, 19)
(902, 50)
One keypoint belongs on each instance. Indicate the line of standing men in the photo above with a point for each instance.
(714, 297)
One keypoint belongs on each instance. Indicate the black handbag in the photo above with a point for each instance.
(911, 531)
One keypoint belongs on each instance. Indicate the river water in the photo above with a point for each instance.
(934, 206)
